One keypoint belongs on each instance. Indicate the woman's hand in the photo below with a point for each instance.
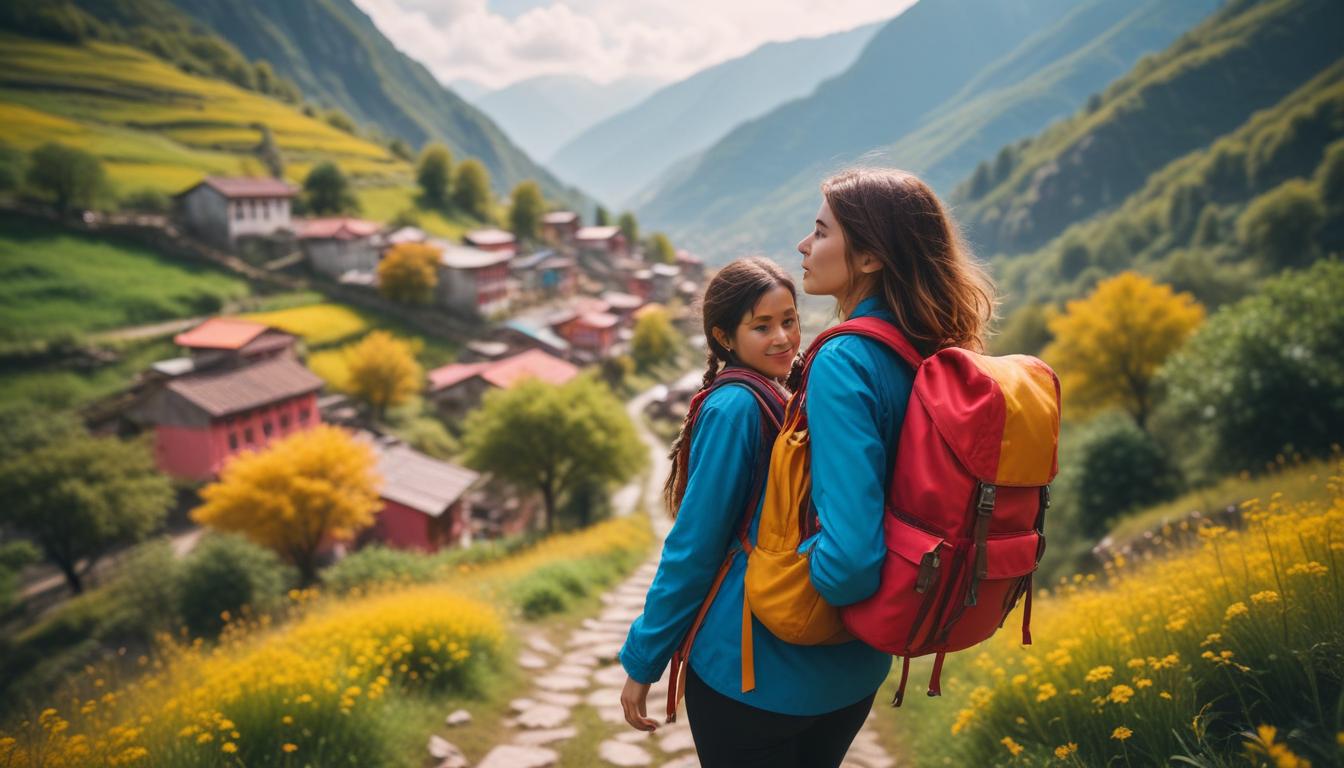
(634, 699)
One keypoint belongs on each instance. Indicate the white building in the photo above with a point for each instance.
(472, 281)
(223, 209)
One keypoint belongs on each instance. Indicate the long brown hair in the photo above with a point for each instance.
(941, 296)
(730, 295)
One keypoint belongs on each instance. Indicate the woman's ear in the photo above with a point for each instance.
(868, 263)
(722, 338)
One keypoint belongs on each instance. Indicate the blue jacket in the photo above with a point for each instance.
(857, 393)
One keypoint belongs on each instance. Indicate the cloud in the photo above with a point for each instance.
(603, 39)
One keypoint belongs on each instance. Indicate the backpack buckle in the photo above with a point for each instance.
(985, 501)
(928, 569)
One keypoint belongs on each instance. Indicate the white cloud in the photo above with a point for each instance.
(603, 39)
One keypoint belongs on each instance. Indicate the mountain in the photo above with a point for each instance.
(468, 89)
(336, 55)
(542, 113)
(1008, 71)
(625, 152)
(1249, 56)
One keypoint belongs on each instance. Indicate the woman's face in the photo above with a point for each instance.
(768, 336)
(825, 268)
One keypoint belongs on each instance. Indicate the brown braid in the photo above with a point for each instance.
(679, 455)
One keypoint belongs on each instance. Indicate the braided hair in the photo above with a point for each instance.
(731, 294)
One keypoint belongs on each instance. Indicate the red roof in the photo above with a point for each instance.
(599, 319)
(248, 187)
(505, 373)
(597, 233)
(220, 333)
(559, 217)
(341, 228)
(489, 237)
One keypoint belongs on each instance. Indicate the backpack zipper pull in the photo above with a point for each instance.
(928, 569)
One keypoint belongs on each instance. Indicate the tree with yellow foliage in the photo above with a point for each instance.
(409, 273)
(1108, 346)
(298, 494)
(383, 371)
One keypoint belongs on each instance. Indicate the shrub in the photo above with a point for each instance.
(1119, 468)
(224, 574)
(537, 598)
(1280, 226)
(377, 565)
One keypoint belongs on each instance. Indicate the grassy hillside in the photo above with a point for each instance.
(1248, 56)
(157, 127)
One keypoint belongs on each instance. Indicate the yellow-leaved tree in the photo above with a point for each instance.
(409, 273)
(1108, 346)
(297, 495)
(383, 371)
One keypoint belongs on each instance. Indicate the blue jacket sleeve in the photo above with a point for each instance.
(724, 448)
(852, 427)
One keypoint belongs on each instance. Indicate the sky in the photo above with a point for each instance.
(498, 42)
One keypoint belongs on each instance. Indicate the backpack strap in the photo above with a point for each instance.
(771, 402)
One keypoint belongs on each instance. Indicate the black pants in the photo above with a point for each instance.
(730, 734)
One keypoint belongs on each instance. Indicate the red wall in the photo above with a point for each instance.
(401, 527)
(198, 453)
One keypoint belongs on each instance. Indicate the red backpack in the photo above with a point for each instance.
(965, 508)
(771, 402)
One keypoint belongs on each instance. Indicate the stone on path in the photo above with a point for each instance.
(542, 645)
(532, 661)
(685, 761)
(633, 737)
(604, 697)
(520, 705)
(441, 749)
(612, 715)
(676, 738)
(572, 670)
(543, 716)
(607, 651)
(585, 638)
(516, 756)
(561, 683)
(580, 659)
(566, 700)
(613, 675)
(544, 737)
(460, 717)
(619, 754)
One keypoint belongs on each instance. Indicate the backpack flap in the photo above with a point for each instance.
(999, 415)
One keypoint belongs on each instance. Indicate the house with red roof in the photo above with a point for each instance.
(607, 242)
(473, 282)
(427, 503)
(221, 210)
(458, 388)
(589, 326)
(492, 240)
(234, 342)
(560, 227)
(340, 245)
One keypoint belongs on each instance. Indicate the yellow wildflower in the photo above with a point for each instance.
(1121, 733)
(228, 747)
(1120, 694)
(1234, 610)
(1268, 597)
(1097, 674)
(288, 747)
(1013, 747)
(1063, 751)
(1045, 692)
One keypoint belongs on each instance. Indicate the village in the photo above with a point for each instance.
(543, 311)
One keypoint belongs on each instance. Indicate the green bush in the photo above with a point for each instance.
(226, 573)
(1119, 468)
(1262, 378)
(537, 598)
(377, 565)
(1280, 226)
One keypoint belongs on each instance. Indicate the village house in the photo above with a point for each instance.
(623, 305)
(492, 241)
(338, 246)
(606, 242)
(560, 227)
(545, 273)
(230, 342)
(457, 389)
(692, 267)
(427, 503)
(589, 327)
(666, 278)
(473, 282)
(221, 210)
(531, 333)
(640, 283)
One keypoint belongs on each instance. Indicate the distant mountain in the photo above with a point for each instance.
(468, 89)
(1247, 57)
(336, 55)
(543, 113)
(627, 151)
(1007, 72)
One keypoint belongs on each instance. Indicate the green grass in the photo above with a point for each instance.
(53, 283)
(156, 127)
(1300, 482)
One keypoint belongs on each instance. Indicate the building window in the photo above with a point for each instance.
(266, 428)
(303, 416)
(233, 441)
(247, 436)
(238, 211)
(284, 421)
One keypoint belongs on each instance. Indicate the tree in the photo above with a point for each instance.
(409, 273)
(14, 555)
(601, 217)
(269, 153)
(11, 167)
(1262, 377)
(1330, 176)
(655, 340)
(629, 227)
(1118, 468)
(79, 497)
(299, 494)
(399, 148)
(70, 177)
(1025, 332)
(226, 573)
(328, 190)
(1280, 226)
(383, 371)
(434, 174)
(661, 250)
(554, 440)
(471, 189)
(526, 210)
(1109, 345)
